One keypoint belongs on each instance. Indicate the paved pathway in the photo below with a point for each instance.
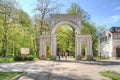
(62, 70)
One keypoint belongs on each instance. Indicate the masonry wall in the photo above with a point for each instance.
(108, 42)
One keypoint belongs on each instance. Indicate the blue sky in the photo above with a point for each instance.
(103, 12)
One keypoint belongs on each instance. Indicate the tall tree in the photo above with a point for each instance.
(76, 9)
(87, 27)
(7, 12)
(43, 8)
(90, 28)
(64, 38)
(22, 24)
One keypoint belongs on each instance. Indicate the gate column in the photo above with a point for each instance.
(53, 47)
(78, 55)
(42, 52)
(89, 54)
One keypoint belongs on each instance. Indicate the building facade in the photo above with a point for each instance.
(109, 43)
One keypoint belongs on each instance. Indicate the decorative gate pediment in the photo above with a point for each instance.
(71, 19)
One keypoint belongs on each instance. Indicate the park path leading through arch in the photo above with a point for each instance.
(62, 70)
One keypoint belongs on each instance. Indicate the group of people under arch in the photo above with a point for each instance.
(63, 54)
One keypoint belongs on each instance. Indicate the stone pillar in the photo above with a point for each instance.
(79, 25)
(53, 47)
(78, 48)
(89, 54)
(114, 56)
(42, 54)
(99, 47)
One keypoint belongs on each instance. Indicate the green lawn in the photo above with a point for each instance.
(110, 75)
(8, 75)
(6, 60)
(100, 58)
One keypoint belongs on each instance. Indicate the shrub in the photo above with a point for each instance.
(30, 57)
(18, 58)
(23, 58)
(6, 59)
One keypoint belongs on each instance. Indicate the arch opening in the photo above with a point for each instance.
(65, 37)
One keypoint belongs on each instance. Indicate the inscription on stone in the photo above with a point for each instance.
(25, 51)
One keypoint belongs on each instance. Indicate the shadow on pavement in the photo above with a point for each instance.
(51, 76)
(100, 62)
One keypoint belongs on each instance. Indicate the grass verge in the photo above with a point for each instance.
(110, 75)
(2, 60)
(8, 75)
(100, 58)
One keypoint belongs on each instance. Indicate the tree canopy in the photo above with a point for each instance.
(18, 30)
(15, 27)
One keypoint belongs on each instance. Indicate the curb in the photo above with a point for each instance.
(18, 76)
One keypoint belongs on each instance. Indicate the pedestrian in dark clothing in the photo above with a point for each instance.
(59, 54)
(62, 54)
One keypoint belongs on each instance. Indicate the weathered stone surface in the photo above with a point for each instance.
(109, 43)
(73, 20)
(53, 57)
(65, 16)
(89, 58)
(43, 57)
(78, 57)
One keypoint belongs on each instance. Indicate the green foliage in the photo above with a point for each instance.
(76, 9)
(110, 75)
(41, 19)
(8, 75)
(90, 29)
(7, 12)
(48, 51)
(87, 27)
(16, 29)
(100, 58)
(6, 60)
(24, 58)
(30, 58)
(83, 49)
(48, 58)
(18, 58)
(65, 39)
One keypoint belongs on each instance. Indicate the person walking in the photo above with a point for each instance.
(62, 54)
(59, 54)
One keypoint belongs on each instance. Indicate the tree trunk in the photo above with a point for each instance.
(4, 40)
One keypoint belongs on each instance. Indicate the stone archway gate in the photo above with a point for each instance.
(71, 19)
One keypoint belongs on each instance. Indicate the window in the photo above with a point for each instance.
(109, 36)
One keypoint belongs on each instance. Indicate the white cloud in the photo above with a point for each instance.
(117, 8)
(113, 19)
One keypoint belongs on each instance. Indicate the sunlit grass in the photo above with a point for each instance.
(110, 75)
(8, 75)
(100, 58)
(6, 59)
(11, 59)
